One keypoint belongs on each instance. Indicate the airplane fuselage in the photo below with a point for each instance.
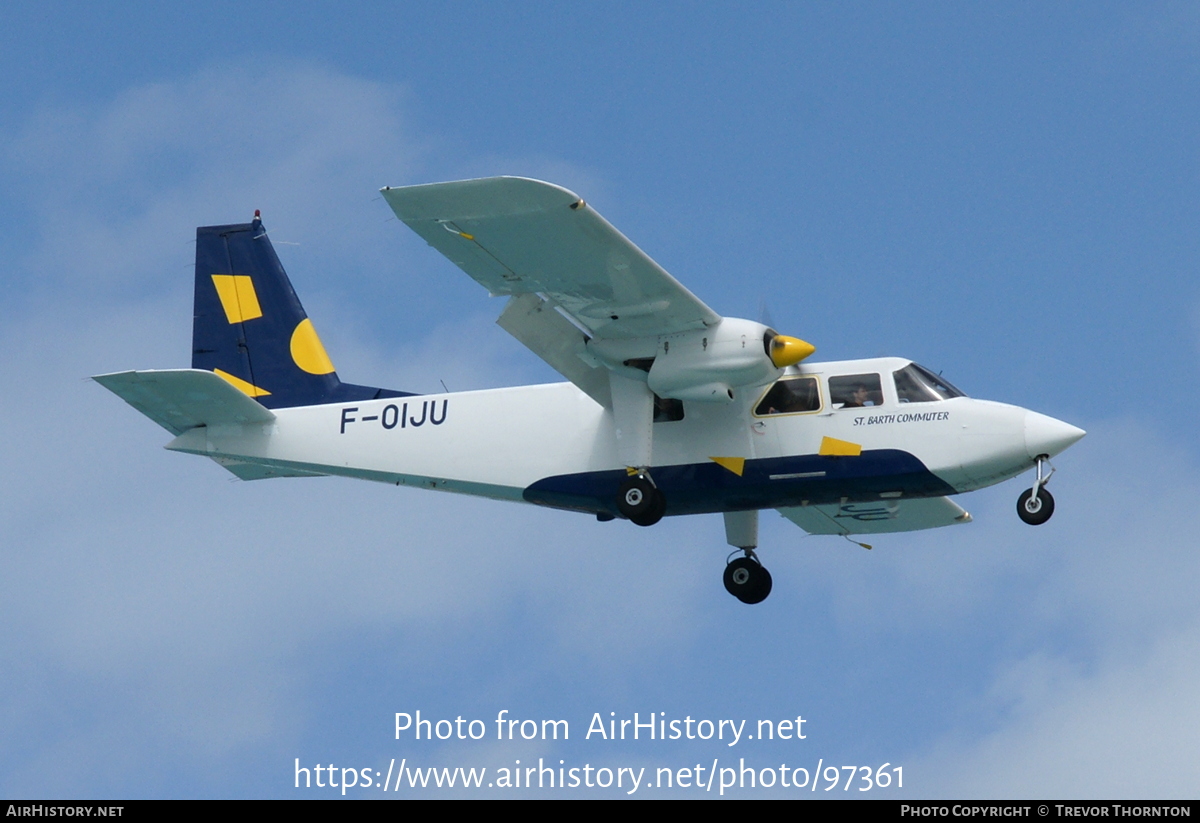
(553, 445)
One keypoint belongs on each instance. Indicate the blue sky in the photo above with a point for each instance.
(1006, 193)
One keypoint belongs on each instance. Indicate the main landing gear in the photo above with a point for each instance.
(640, 500)
(747, 579)
(1035, 505)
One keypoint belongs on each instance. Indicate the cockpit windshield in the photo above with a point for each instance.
(915, 384)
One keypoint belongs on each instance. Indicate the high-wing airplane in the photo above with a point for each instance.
(670, 408)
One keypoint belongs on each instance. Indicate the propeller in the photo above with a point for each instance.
(764, 314)
(783, 351)
(786, 351)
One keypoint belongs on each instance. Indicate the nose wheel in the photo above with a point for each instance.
(1035, 505)
(747, 579)
(1035, 510)
(641, 501)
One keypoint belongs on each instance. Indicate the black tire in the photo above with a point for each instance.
(656, 512)
(636, 498)
(1035, 511)
(747, 580)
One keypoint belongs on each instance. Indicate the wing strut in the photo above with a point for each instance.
(633, 414)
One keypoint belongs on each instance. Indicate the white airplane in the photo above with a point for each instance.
(670, 409)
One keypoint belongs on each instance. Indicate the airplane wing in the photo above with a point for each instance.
(519, 237)
(878, 517)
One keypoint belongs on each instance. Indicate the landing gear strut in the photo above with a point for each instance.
(640, 500)
(1035, 505)
(747, 579)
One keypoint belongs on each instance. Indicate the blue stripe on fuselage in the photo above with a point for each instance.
(698, 488)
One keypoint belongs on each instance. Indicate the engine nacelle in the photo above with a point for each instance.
(705, 364)
(708, 364)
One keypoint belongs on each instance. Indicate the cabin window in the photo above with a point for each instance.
(791, 395)
(915, 384)
(854, 391)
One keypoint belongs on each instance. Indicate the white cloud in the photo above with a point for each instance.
(1125, 728)
(118, 189)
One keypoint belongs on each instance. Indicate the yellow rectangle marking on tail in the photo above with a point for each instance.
(238, 297)
(832, 447)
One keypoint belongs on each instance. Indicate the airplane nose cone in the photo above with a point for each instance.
(1045, 435)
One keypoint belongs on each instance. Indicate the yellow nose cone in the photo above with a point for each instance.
(788, 351)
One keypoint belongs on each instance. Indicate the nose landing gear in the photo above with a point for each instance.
(1035, 505)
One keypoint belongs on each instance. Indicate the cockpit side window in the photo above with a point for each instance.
(915, 384)
(854, 391)
(791, 395)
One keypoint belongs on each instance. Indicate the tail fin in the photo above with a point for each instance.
(249, 327)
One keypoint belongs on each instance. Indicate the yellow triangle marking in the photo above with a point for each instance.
(735, 464)
(238, 383)
(238, 298)
(832, 447)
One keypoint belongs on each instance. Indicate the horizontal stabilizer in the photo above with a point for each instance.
(877, 517)
(182, 399)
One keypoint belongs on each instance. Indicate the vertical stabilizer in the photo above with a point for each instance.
(248, 325)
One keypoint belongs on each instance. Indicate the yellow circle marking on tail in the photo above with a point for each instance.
(307, 351)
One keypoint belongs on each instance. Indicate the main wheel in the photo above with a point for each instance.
(747, 580)
(640, 501)
(656, 512)
(1035, 510)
